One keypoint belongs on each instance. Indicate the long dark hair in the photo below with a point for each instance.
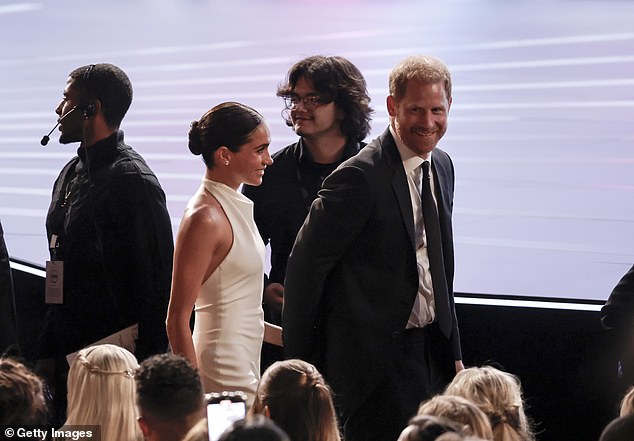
(335, 79)
(299, 401)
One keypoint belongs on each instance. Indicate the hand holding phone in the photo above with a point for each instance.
(222, 410)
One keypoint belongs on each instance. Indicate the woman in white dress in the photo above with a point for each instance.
(219, 254)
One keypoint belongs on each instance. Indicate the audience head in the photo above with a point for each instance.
(428, 428)
(620, 429)
(101, 392)
(461, 411)
(107, 84)
(254, 428)
(169, 397)
(21, 395)
(296, 397)
(627, 403)
(333, 80)
(499, 395)
(228, 125)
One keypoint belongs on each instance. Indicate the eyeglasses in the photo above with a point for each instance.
(310, 101)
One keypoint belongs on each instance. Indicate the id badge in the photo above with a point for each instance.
(54, 293)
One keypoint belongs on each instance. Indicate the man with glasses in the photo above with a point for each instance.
(328, 106)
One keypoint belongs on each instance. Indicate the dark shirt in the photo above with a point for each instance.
(282, 201)
(115, 239)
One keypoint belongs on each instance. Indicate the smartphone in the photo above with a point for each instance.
(222, 410)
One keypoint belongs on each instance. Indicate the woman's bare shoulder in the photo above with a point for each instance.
(204, 212)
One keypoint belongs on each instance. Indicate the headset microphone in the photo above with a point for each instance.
(46, 138)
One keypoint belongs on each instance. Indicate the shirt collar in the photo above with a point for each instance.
(410, 159)
(102, 151)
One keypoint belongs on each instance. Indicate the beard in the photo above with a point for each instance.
(69, 138)
(71, 129)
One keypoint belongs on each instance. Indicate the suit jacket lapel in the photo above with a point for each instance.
(399, 183)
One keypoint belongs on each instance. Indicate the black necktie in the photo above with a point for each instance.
(434, 252)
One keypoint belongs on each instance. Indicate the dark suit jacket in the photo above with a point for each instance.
(352, 276)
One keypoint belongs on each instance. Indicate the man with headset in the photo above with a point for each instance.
(109, 232)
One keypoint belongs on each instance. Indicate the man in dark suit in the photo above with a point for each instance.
(369, 284)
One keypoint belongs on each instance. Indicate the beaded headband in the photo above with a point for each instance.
(129, 373)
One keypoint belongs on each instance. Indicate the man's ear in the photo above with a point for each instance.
(145, 429)
(92, 109)
(391, 105)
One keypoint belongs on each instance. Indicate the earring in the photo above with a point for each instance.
(226, 162)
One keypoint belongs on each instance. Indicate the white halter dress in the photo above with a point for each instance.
(229, 324)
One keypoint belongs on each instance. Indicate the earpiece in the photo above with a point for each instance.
(89, 110)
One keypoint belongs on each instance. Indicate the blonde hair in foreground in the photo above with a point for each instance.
(101, 391)
(460, 410)
(499, 395)
(296, 397)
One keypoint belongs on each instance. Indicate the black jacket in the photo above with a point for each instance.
(115, 238)
(352, 275)
(282, 201)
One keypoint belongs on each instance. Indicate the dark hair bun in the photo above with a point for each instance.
(195, 146)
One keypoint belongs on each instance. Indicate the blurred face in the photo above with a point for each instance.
(71, 126)
(313, 119)
(419, 118)
(248, 163)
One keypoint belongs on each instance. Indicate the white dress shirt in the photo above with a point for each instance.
(424, 310)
